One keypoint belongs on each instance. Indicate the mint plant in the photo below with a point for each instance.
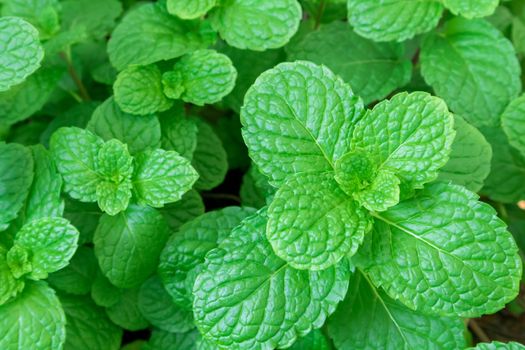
(244, 174)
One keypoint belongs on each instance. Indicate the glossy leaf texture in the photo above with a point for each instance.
(471, 8)
(513, 123)
(190, 9)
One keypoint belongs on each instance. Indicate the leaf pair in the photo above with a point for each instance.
(94, 170)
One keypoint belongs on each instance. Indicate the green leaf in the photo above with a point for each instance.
(513, 123)
(201, 77)
(125, 312)
(138, 90)
(354, 171)
(369, 320)
(256, 25)
(87, 325)
(410, 134)
(315, 340)
(43, 14)
(140, 133)
(77, 277)
(128, 245)
(255, 190)
(460, 63)
(10, 286)
(44, 198)
(158, 308)
(209, 158)
(162, 177)
(179, 133)
(115, 167)
(75, 151)
(313, 224)
(51, 243)
(103, 292)
(162, 340)
(97, 17)
(242, 283)
(34, 320)
(443, 252)
(471, 8)
(382, 193)
(228, 129)
(285, 115)
(187, 208)
(183, 255)
(393, 20)
(131, 40)
(16, 175)
(190, 9)
(20, 51)
(469, 163)
(496, 345)
(373, 69)
(84, 216)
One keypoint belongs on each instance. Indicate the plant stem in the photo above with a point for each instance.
(76, 79)
(478, 331)
(320, 12)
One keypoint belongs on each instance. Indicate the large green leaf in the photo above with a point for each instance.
(513, 123)
(461, 62)
(471, 8)
(96, 17)
(285, 118)
(248, 298)
(190, 9)
(443, 252)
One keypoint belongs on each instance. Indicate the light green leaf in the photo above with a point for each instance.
(285, 115)
(369, 320)
(157, 306)
(128, 245)
(77, 277)
(20, 51)
(209, 158)
(471, 8)
(393, 20)
(183, 255)
(162, 177)
(187, 208)
(256, 25)
(190, 9)
(179, 133)
(43, 14)
(382, 193)
(10, 286)
(201, 77)
(131, 40)
(138, 90)
(410, 134)
(460, 63)
(469, 163)
(115, 167)
(315, 340)
(496, 345)
(125, 312)
(255, 190)
(75, 152)
(97, 17)
(34, 320)
(237, 293)
(87, 325)
(313, 224)
(373, 69)
(138, 132)
(355, 171)
(51, 243)
(513, 123)
(443, 252)
(16, 175)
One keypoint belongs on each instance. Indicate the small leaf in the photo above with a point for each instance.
(189, 207)
(190, 9)
(10, 286)
(162, 177)
(43, 14)
(77, 277)
(471, 8)
(20, 51)
(382, 193)
(354, 171)
(209, 159)
(496, 345)
(138, 90)
(162, 340)
(179, 133)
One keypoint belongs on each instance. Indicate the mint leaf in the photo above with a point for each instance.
(87, 325)
(255, 25)
(34, 319)
(255, 190)
(313, 224)
(284, 115)
(162, 177)
(209, 158)
(20, 51)
(382, 193)
(162, 340)
(16, 175)
(187, 208)
(243, 279)
(372, 69)
(125, 311)
(138, 90)
(422, 140)
(10, 286)
(131, 40)
(443, 252)
(393, 20)
(496, 345)
(190, 9)
(513, 123)
(460, 61)
(97, 17)
(138, 132)
(378, 322)
(128, 244)
(75, 152)
(50, 243)
(115, 167)
(78, 276)
(103, 292)
(469, 163)
(43, 14)
(179, 133)
(158, 308)
(354, 171)
(471, 8)
(201, 77)
(184, 253)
